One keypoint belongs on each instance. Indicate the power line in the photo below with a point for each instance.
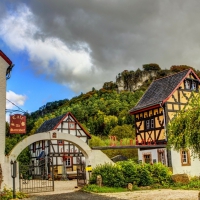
(20, 109)
(12, 111)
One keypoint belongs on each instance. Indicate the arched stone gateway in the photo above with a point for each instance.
(92, 157)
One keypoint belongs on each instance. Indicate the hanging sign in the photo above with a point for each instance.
(17, 124)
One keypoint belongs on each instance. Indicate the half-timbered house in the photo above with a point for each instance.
(153, 112)
(60, 156)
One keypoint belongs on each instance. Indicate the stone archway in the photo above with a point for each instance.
(92, 157)
(49, 136)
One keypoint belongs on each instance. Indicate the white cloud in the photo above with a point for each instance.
(83, 44)
(14, 100)
(49, 55)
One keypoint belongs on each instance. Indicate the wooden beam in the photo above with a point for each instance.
(142, 147)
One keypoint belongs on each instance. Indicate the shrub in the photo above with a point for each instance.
(112, 175)
(130, 171)
(145, 176)
(140, 175)
(124, 172)
(7, 194)
(161, 174)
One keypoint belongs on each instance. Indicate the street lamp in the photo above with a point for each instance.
(13, 175)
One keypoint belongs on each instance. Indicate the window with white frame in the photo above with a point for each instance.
(185, 158)
(147, 158)
(71, 125)
(152, 123)
(194, 85)
(78, 160)
(187, 84)
(161, 156)
(147, 124)
(68, 162)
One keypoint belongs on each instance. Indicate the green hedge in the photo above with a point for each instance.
(112, 175)
(124, 172)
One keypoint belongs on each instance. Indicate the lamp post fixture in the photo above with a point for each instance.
(8, 71)
(13, 175)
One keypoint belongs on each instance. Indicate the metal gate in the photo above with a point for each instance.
(81, 176)
(36, 177)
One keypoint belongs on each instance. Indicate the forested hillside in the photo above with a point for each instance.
(102, 112)
(98, 110)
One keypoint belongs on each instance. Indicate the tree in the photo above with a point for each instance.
(7, 129)
(179, 68)
(183, 130)
(151, 66)
(121, 132)
(96, 141)
(25, 156)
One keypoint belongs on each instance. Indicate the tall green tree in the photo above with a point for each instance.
(124, 131)
(183, 130)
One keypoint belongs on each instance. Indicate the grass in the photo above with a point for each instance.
(194, 184)
(103, 189)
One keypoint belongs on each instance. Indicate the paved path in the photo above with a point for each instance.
(77, 195)
(67, 190)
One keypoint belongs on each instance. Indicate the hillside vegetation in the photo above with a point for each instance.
(102, 112)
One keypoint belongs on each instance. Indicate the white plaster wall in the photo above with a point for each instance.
(3, 67)
(152, 151)
(97, 157)
(7, 179)
(193, 170)
(154, 154)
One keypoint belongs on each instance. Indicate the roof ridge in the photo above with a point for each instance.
(172, 74)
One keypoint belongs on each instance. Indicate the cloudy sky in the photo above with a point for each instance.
(65, 47)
